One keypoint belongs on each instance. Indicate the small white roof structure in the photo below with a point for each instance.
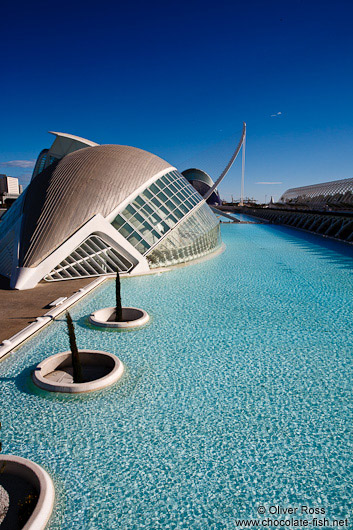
(68, 143)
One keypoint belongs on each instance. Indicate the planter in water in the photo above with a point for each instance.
(119, 317)
(99, 370)
(132, 317)
(29, 495)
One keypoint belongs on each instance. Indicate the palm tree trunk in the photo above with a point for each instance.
(119, 309)
(76, 364)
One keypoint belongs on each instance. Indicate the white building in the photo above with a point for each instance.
(92, 209)
(9, 189)
(336, 192)
(9, 185)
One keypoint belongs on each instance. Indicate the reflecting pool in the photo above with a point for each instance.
(237, 394)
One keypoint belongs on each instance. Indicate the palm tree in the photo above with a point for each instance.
(76, 364)
(119, 309)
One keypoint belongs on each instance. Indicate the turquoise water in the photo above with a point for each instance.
(238, 394)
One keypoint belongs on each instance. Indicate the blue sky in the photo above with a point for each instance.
(179, 78)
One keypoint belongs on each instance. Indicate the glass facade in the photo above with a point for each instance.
(153, 213)
(43, 162)
(147, 223)
(196, 236)
(40, 164)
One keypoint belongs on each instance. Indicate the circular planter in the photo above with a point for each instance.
(21, 478)
(132, 318)
(99, 370)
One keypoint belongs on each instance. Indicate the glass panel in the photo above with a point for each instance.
(156, 236)
(189, 204)
(154, 188)
(159, 206)
(118, 222)
(154, 212)
(171, 220)
(184, 208)
(138, 202)
(137, 220)
(165, 180)
(185, 189)
(178, 214)
(147, 210)
(138, 243)
(168, 192)
(147, 195)
(190, 201)
(145, 227)
(178, 199)
(129, 211)
(190, 189)
(160, 184)
(151, 237)
(163, 212)
(171, 205)
(10, 217)
(154, 218)
(198, 235)
(156, 202)
(162, 227)
(194, 199)
(173, 188)
(171, 176)
(126, 230)
(135, 238)
(183, 195)
(142, 247)
(162, 197)
(177, 184)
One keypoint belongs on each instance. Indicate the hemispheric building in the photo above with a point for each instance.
(92, 209)
(202, 182)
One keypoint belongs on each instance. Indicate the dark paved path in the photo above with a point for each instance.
(20, 308)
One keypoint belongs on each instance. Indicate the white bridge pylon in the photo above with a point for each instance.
(229, 165)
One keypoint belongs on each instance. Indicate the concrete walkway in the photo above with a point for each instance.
(20, 308)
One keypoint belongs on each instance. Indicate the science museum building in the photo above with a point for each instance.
(92, 209)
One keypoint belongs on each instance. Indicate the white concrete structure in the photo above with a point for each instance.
(93, 209)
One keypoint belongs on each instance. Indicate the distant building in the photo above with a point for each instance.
(202, 183)
(336, 193)
(9, 189)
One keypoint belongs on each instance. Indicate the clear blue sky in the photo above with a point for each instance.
(179, 78)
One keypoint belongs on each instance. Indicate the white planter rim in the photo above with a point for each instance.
(88, 357)
(41, 481)
(133, 318)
